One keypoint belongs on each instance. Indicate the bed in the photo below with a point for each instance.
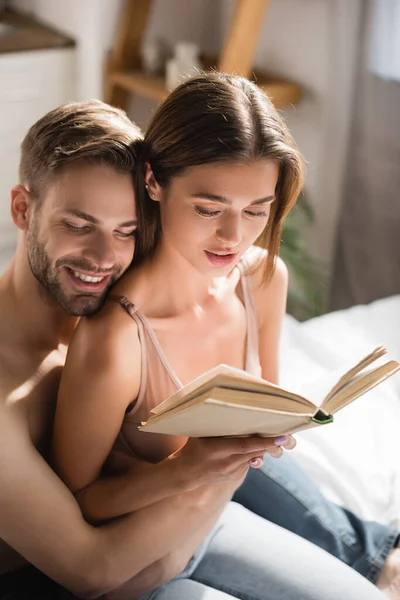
(355, 461)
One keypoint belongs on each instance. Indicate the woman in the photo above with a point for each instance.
(219, 171)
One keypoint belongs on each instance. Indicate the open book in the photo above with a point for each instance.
(229, 402)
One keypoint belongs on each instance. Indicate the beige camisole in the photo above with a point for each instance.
(159, 381)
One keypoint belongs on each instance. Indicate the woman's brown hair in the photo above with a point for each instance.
(215, 118)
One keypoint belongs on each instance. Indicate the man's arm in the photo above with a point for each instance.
(42, 521)
(169, 566)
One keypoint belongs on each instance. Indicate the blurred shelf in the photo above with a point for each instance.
(282, 93)
(140, 83)
(21, 33)
(124, 73)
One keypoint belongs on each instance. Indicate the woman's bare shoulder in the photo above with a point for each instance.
(106, 339)
(269, 295)
(255, 260)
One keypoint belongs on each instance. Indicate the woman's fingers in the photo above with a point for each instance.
(222, 458)
(288, 442)
(256, 462)
(275, 452)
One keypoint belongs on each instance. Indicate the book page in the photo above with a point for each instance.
(227, 377)
(255, 400)
(320, 390)
(375, 357)
(360, 384)
(215, 418)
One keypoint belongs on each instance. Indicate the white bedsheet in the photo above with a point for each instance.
(356, 460)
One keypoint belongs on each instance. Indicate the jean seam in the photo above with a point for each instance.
(378, 562)
(343, 537)
(374, 564)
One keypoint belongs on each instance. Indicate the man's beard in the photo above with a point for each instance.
(78, 304)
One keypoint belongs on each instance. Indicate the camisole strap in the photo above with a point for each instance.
(133, 312)
(252, 351)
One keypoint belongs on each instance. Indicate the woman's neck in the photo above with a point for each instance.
(168, 284)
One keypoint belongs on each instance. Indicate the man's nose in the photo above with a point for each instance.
(102, 252)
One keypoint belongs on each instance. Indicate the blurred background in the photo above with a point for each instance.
(331, 66)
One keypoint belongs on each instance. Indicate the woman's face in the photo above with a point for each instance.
(211, 214)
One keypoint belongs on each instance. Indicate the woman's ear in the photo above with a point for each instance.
(152, 187)
(20, 207)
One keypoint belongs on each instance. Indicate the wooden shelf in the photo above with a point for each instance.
(140, 83)
(125, 76)
(283, 93)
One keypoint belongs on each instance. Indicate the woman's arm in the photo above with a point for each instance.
(100, 379)
(270, 302)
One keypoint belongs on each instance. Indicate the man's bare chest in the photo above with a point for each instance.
(28, 388)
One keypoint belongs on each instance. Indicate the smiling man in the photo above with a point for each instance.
(76, 203)
(75, 211)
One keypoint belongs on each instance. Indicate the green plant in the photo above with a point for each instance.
(308, 280)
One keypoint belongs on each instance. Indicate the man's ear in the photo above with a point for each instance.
(20, 206)
(153, 188)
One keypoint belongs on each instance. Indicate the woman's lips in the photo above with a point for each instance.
(220, 260)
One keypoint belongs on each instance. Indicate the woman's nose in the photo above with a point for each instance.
(229, 231)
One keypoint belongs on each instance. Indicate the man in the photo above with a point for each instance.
(75, 211)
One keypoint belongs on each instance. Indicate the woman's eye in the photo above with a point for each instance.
(207, 213)
(256, 213)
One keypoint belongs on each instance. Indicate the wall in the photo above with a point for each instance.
(83, 20)
(368, 250)
(314, 42)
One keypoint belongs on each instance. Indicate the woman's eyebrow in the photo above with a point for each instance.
(225, 200)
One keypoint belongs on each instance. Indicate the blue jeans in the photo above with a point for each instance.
(252, 558)
(283, 494)
(248, 557)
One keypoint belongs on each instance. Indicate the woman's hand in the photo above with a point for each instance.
(204, 461)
